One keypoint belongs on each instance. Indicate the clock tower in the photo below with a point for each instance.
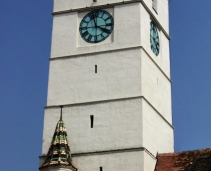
(110, 72)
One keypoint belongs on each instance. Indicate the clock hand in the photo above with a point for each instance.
(95, 27)
(104, 30)
(95, 22)
(83, 28)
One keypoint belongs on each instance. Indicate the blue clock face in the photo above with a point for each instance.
(96, 26)
(154, 39)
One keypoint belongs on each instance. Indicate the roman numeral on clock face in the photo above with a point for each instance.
(102, 37)
(106, 31)
(82, 28)
(91, 16)
(109, 24)
(85, 34)
(89, 38)
(95, 39)
(85, 21)
(95, 13)
(108, 18)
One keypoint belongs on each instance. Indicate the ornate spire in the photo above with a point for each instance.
(59, 151)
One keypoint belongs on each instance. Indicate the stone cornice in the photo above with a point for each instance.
(109, 100)
(110, 152)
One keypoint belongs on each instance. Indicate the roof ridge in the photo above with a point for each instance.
(204, 149)
(168, 154)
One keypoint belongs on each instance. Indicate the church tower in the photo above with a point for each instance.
(110, 70)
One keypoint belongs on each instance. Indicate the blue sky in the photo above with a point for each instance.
(25, 39)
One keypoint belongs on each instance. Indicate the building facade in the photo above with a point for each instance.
(110, 70)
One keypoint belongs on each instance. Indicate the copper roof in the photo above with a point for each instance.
(59, 151)
(195, 160)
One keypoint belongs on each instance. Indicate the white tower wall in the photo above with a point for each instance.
(118, 124)
(129, 96)
(73, 80)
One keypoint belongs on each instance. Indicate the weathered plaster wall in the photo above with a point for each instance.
(117, 125)
(73, 80)
(124, 161)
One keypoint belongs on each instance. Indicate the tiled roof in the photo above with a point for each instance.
(59, 151)
(195, 160)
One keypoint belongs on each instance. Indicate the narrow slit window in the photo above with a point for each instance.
(101, 168)
(92, 120)
(154, 5)
(95, 68)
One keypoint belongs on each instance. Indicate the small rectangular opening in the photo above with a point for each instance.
(154, 5)
(92, 120)
(101, 168)
(95, 68)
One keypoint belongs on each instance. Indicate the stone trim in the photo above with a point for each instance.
(105, 101)
(110, 152)
(96, 52)
(113, 50)
(158, 113)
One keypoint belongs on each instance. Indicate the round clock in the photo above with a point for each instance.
(154, 39)
(96, 26)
